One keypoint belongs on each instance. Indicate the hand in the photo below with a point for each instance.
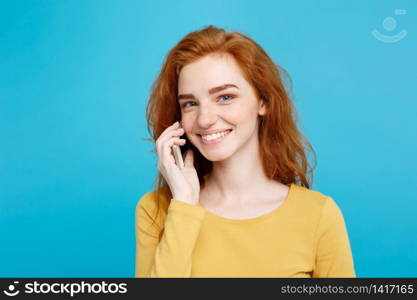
(184, 183)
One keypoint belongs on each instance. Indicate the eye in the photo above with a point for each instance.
(230, 97)
(185, 103)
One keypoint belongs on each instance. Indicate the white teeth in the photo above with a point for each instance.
(214, 136)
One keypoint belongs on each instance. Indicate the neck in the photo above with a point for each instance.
(237, 180)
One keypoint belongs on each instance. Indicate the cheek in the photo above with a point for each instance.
(186, 121)
(187, 124)
(239, 114)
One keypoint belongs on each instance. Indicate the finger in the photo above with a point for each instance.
(169, 128)
(164, 134)
(167, 155)
(176, 133)
(168, 134)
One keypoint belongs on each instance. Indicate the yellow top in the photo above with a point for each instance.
(305, 236)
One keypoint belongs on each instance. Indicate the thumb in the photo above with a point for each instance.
(189, 158)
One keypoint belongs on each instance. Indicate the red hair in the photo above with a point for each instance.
(282, 146)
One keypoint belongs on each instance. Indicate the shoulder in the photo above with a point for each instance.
(314, 203)
(308, 197)
(147, 206)
(147, 201)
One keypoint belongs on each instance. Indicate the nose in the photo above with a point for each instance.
(207, 115)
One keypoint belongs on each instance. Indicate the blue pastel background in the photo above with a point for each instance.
(74, 81)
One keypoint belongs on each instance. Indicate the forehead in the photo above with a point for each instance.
(210, 71)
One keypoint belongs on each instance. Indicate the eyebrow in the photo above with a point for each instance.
(211, 91)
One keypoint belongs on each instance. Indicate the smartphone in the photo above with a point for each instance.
(180, 151)
(178, 156)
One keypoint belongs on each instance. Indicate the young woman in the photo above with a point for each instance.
(242, 205)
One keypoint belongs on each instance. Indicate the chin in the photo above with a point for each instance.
(215, 155)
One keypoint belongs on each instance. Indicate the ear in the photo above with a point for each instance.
(262, 107)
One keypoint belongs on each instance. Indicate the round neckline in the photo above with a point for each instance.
(255, 219)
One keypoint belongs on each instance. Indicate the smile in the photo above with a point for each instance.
(214, 138)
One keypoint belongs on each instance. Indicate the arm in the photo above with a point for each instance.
(170, 255)
(333, 254)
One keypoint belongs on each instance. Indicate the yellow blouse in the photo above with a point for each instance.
(305, 236)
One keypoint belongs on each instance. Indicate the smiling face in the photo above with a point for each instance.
(214, 96)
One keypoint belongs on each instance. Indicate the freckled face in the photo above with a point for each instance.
(205, 108)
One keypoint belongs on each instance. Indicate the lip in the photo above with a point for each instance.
(215, 141)
(212, 131)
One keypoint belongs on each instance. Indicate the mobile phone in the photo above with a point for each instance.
(178, 156)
